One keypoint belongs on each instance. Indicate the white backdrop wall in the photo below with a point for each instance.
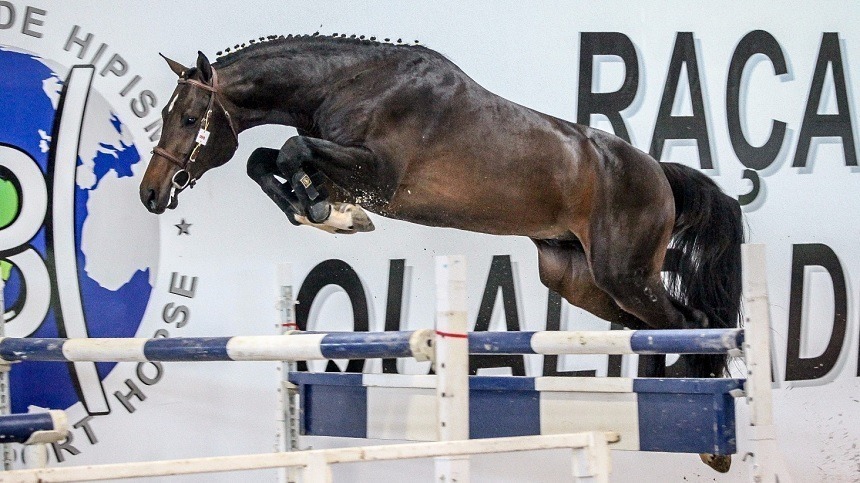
(532, 53)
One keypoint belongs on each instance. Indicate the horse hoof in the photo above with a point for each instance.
(361, 223)
(346, 218)
(720, 463)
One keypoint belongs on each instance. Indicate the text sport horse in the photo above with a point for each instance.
(403, 132)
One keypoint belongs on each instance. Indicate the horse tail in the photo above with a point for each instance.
(707, 238)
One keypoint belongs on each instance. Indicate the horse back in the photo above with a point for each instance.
(456, 154)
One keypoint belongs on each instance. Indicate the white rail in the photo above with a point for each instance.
(590, 459)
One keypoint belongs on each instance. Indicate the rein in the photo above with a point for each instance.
(183, 178)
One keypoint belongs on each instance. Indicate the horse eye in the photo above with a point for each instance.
(188, 121)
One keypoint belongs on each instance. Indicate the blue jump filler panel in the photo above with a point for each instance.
(670, 415)
(687, 415)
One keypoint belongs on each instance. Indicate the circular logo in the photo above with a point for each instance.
(78, 252)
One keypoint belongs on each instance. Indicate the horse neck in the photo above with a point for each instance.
(285, 89)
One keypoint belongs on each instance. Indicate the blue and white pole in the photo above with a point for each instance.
(306, 346)
(34, 428)
(681, 341)
(290, 347)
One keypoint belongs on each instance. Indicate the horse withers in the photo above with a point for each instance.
(401, 131)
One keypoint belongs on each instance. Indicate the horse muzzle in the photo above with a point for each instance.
(158, 197)
(158, 189)
(156, 202)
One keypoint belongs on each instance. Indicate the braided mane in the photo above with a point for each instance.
(230, 54)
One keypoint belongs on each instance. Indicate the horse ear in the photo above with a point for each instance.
(176, 67)
(204, 66)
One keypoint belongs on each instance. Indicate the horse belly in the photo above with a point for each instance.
(472, 207)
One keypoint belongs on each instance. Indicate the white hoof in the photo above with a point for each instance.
(344, 218)
(349, 218)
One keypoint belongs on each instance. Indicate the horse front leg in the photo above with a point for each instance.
(262, 168)
(302, 158)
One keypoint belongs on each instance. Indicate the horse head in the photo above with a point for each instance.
(198, 134)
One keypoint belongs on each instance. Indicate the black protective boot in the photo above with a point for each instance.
(312, 194)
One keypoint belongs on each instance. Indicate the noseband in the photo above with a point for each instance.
(183, 178)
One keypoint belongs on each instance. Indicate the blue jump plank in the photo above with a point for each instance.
(674, 415)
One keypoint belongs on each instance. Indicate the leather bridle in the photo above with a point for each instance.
(183, 177)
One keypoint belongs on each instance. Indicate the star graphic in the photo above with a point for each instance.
(183, 227)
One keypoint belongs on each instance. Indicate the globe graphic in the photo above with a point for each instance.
(116, 240)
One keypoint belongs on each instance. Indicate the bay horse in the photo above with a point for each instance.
(401, 131)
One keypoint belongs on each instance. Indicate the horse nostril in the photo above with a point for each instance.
(151, 203)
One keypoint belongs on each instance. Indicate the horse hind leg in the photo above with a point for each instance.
(638, 288)
(722, 463)
(563, 268)
(628, 268)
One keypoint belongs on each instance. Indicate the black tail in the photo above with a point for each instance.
(708, 234)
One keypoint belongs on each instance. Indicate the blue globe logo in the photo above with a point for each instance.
(78, 253)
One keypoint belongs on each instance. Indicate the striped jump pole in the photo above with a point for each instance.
(307, 346)
(33, 428)
(295, 346)
(680, 341)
